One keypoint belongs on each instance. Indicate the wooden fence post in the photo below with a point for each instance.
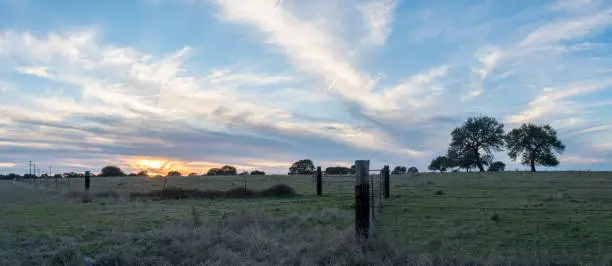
(87, 181)
(362, 199)
(319, 181)
(386, 181)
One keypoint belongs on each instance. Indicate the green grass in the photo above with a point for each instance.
(561, 216)
(549, 214)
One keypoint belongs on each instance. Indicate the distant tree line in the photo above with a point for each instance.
(226, 170)
(472, 146)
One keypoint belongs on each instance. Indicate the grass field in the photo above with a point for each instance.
(542, 217)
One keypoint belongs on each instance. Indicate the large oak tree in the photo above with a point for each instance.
(478, 135)
(534, 145)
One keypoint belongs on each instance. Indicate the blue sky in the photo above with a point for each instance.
(262, 83)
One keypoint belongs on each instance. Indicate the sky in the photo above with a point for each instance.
(260, 84)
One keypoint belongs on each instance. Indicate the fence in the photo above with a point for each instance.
(371, 189)
(49, 182)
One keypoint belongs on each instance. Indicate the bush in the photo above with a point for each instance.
(413, 170)
(111, 171)
(256, 172)
(497, 167)
(279, 190)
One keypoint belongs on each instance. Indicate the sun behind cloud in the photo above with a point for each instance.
(158, 166)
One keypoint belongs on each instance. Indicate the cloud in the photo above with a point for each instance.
(309, 48)
(489, 57)
(378, 17)
(572, 159)
(36, 71)
(567, 29)
(552, 102)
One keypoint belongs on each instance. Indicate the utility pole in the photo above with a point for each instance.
(30, 164)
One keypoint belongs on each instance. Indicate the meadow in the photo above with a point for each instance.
(430, 219)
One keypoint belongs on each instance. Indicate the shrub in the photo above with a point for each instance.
(413, 170)
(256, 172)
(111, 171)
(279, 190)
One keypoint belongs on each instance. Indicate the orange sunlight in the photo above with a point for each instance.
(158, 166)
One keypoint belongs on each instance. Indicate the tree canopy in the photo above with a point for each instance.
(174, 173)
(413, 170)
(228, 170)
(257, 172)
(111, 171)
(302, 167)
(534, 145)
(440, 163)
(478, 134)
(337, 170)
(214, 171)
(399, 170)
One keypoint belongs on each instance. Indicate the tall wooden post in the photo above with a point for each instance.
(386, 181)
(319, 181)
(87, 180)
(362, 199)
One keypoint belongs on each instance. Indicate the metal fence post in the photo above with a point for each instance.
(319, 181)
(386, 181)
(362, 199)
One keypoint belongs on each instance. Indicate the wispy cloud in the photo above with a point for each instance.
(35, 71)
(378, 17)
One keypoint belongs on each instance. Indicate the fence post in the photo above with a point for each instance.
(362, 199)
(319, 181)
(386, 181)
(87, 181)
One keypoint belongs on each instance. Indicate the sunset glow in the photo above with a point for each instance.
(156, 166)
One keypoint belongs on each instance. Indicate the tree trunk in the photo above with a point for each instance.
(533, 166)
(480, 167)
(479, 162)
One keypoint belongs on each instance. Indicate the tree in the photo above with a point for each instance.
(193, 174)
(111, 170)
(57, 176)
(142, 173)
(399, 170)
(413, 170)
(302, 167)
(228, 170)
(440, 163)
(337, 170)
(174, 173)
(534, 145)
(478, 134)
(497, 167)
(462, 157)
(256, 172)
(214, 171)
